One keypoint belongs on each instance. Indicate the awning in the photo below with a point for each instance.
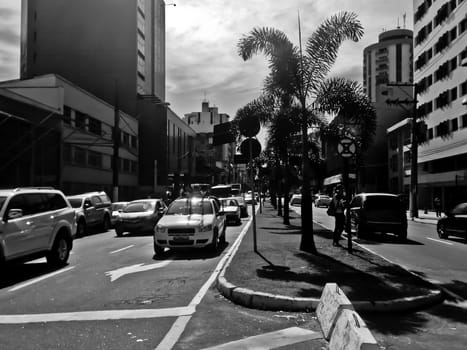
(336, 179)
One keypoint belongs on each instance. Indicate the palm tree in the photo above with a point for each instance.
(299, 75)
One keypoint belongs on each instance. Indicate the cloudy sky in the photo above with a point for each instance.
(202, 37)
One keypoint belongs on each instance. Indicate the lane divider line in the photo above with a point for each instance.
(439, 241)
(122, 249)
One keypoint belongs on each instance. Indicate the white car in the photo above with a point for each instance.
(296, 200)
(191, 222)
(231, 209)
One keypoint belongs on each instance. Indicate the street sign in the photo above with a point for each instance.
(346, 147)
(223, 134)
(249, 126)
(255, 148)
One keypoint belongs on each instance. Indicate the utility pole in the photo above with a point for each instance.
(116, 146)
(413, 148)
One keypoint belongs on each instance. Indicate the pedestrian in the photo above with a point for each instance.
(437, 205)
(337, 209)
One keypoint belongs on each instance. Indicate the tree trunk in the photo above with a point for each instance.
(286, 219)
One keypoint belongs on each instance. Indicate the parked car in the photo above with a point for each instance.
(36, 222)
(114, 209)
(322, 200)
(231, 210)
(242, 204)
(191, 222)
(93, 209)
(296, 200)
(454, 223)
(378, 212)
(140, 215)
(249, 197)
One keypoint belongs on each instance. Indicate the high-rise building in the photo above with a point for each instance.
(115, 49)
(440, 52)
(388, 61)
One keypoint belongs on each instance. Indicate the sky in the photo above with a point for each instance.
(202, 61)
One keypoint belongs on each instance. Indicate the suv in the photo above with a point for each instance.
(378, 212)
(36, 222)
(92, 209)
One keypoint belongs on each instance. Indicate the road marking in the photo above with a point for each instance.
(122, 249)
(116, 274)
(35, 280)
(271, 340)
(100, 315)
(179, 325)
(439, 241)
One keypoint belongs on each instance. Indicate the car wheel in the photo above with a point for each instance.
(119, 231)
(441, 228)
(60, 252)
(214, 246)
(106, 224)
(81, 228)
(222, 237)
(158, 250)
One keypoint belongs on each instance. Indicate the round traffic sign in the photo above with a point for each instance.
(250, 144)
(346, 147)
(249, 126)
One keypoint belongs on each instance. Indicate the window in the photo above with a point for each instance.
(79, 156)
(430, 133)
(56, 201)
(463, 88)
(454, 124)
(133, 141)
(464, 120)
(80, 120)
(453, 94)
(67, 115)
(95, 126)
(95, 159)
(126, 165)
(67, 153)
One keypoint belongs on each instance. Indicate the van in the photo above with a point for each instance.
(378, 212)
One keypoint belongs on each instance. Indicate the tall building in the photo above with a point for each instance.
(440, 54)
(213, 163)
(386, 64)
(115, 49)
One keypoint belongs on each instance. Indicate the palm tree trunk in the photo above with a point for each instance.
(307, 242)
(286, 218)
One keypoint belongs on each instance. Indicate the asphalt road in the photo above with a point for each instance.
(442, 262)
(114, 295)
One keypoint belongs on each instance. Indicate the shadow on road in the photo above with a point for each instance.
(14, 273)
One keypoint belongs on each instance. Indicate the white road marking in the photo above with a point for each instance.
(99, 315)
(35, 280)
(271, 340)
(179, 325)
(116, 274)
(122, 249)
(439, 241)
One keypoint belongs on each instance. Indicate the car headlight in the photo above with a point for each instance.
(161, 229)
(205, 228)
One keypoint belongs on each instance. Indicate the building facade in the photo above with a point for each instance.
(440, 51)
(214, 164)
(387, 80)
(115, 49)
(57, 134)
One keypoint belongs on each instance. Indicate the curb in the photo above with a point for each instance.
(273, 302)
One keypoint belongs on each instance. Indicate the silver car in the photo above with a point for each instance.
(140, 215)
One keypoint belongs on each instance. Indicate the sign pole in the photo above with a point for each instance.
(252, 179)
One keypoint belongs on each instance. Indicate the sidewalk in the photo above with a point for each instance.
(428, 218)
(281, 277)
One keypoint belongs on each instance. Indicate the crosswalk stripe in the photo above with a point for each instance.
(99, 315)
(271, 340)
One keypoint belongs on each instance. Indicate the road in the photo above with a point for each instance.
(440, 261)
(114, 295)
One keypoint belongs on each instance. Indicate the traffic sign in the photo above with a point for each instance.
(250, 144)
(346, 147)
(249, 126)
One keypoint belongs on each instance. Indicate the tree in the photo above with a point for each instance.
(299, 75)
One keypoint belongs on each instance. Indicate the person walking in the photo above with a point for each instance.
(337, 209)
(437, 205)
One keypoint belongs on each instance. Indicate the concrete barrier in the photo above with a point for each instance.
(351, 333)
(332, 302)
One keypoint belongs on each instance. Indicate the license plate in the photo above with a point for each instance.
(180, 238)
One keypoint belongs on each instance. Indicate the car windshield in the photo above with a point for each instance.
(187, 207)
(382, 202)
(117, 206)
(2, 200)
(75, 202)
(297, 200)
(138, 207)
(229, 202)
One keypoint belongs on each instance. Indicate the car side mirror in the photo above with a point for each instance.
(14, 214)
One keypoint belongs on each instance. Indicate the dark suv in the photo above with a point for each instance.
(35, 222)
(378, 212)
(92, 209)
